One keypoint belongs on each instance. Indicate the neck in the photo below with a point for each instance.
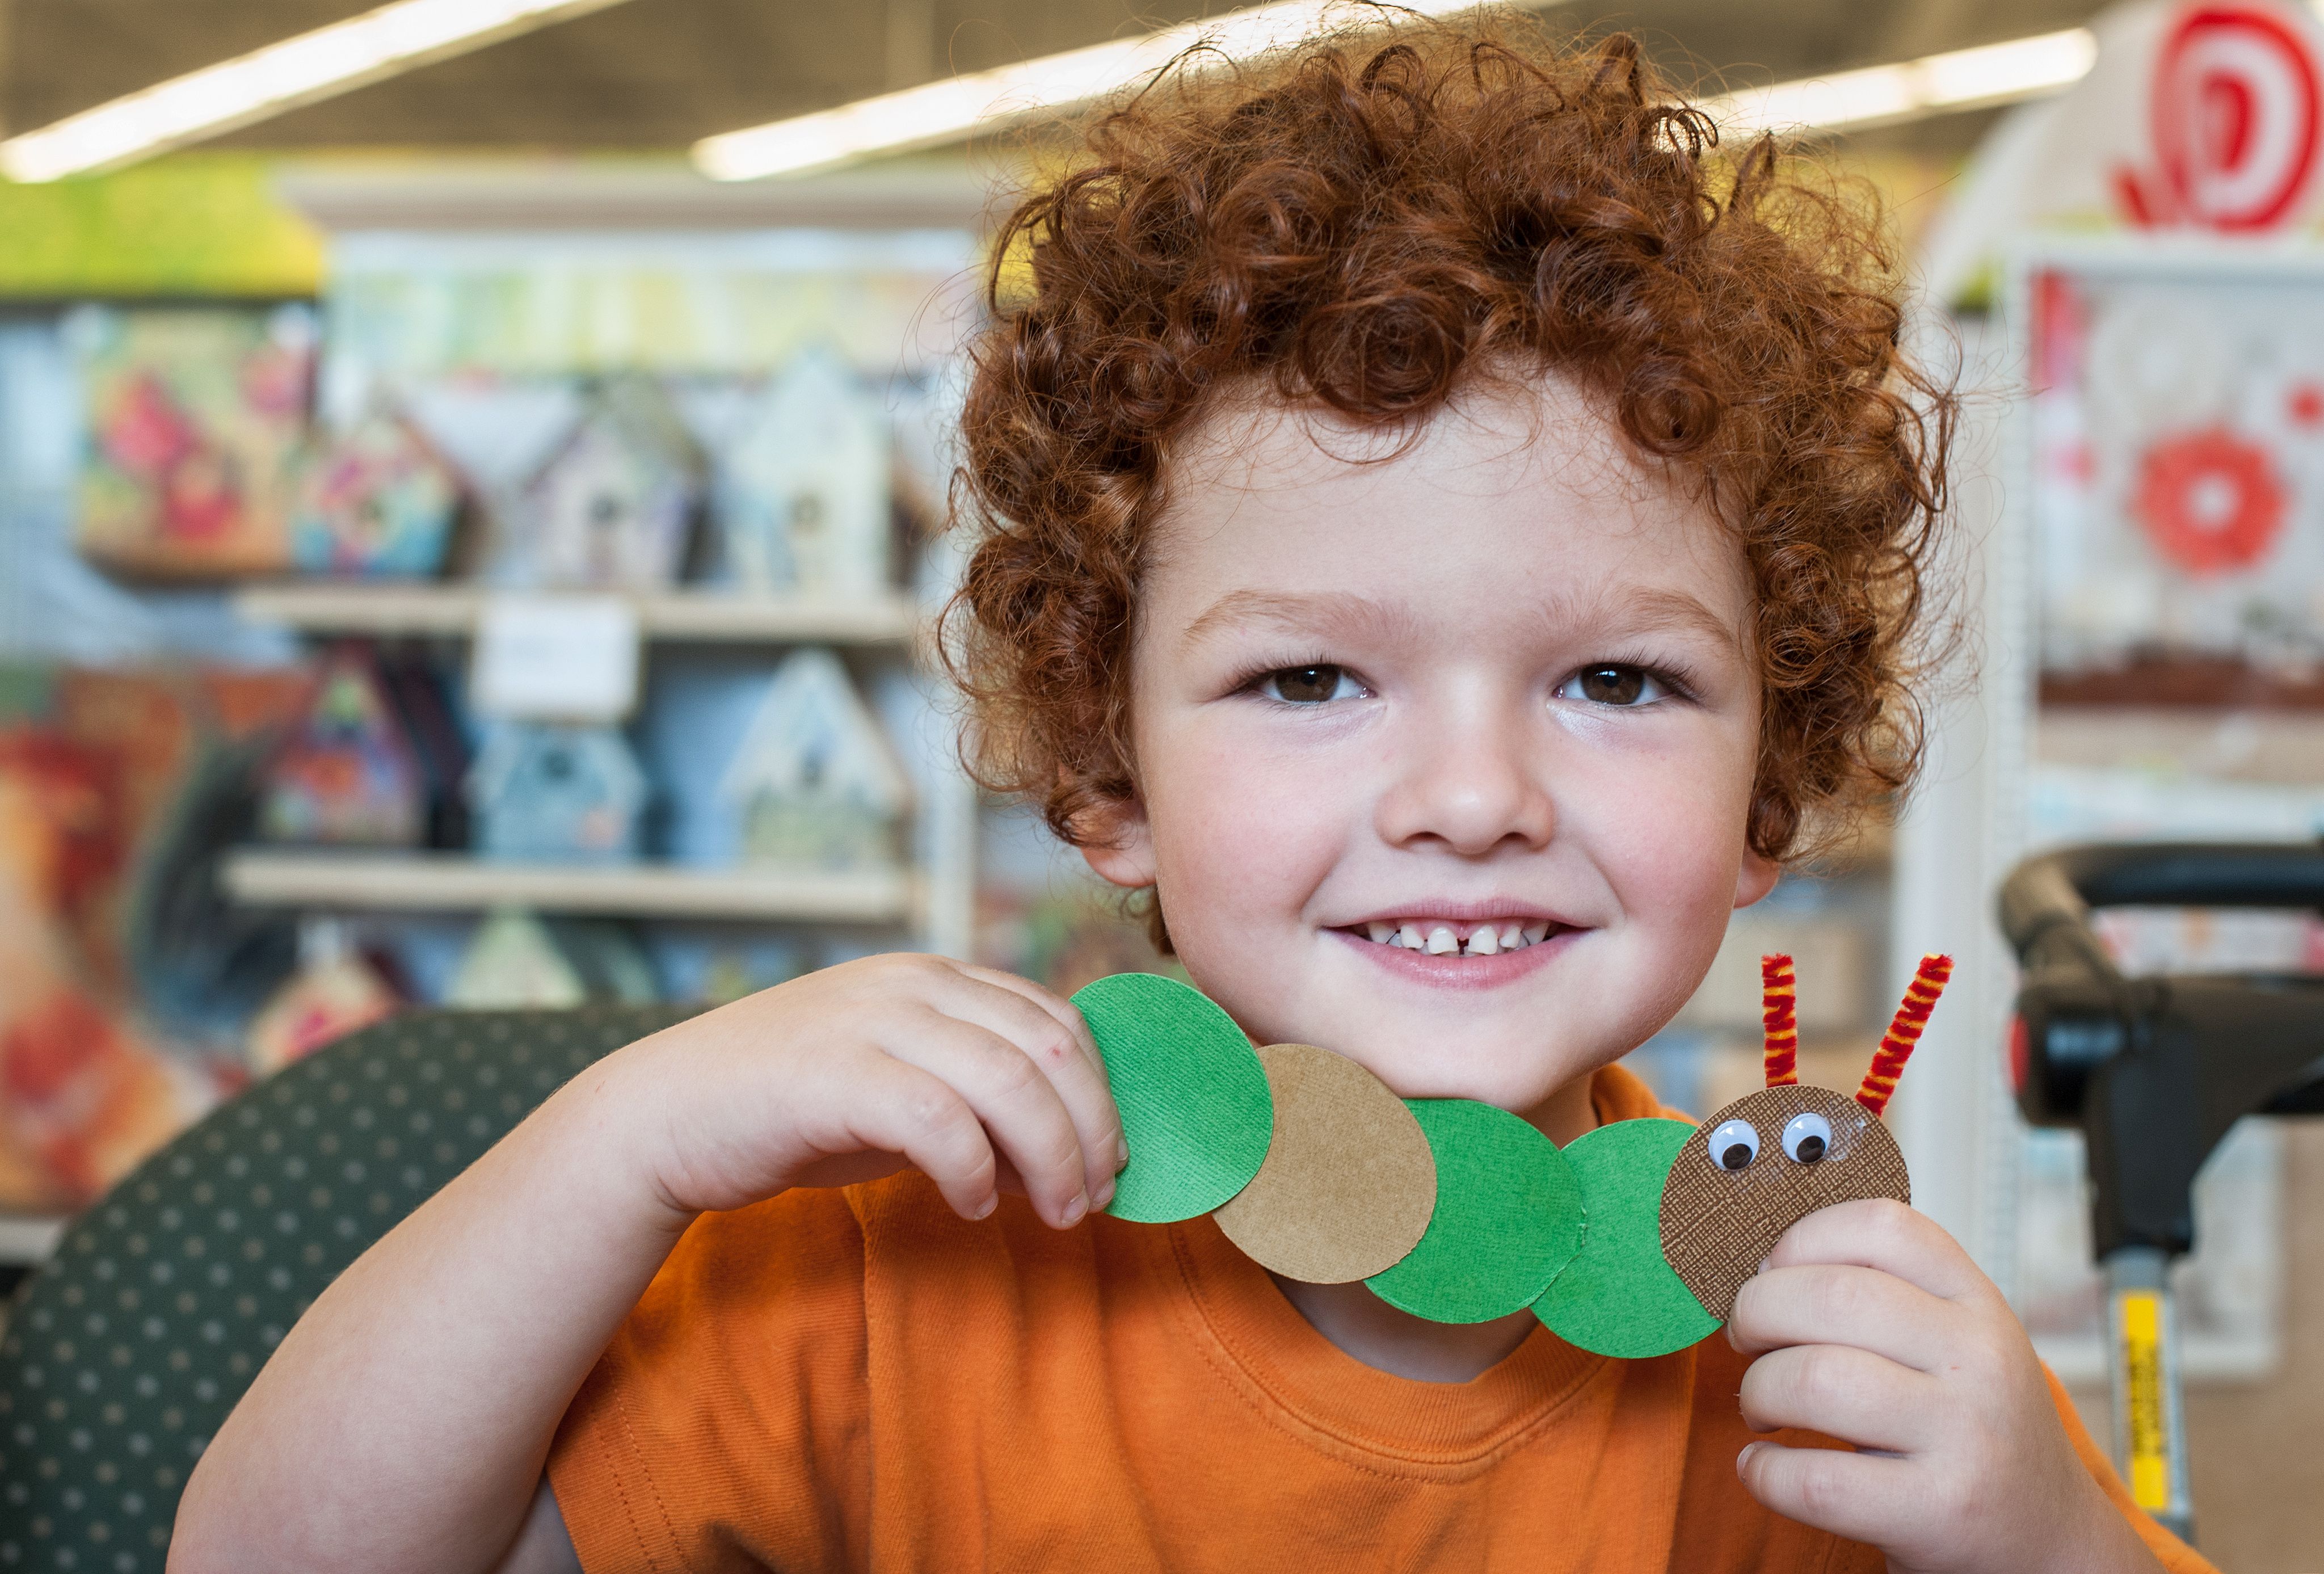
(1387, 1339)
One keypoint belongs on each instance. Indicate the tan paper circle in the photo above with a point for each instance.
(1718, 1225)
(1349, 1184)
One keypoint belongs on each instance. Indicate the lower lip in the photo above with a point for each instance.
(1463, 972)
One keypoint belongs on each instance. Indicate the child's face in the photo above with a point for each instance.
(1502, 681)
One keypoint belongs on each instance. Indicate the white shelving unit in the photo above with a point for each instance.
(451, 882)
(656, 219)
(387, 609)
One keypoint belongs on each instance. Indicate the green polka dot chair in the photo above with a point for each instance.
(125, 1353)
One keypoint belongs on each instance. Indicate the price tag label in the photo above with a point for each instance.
(555, 658)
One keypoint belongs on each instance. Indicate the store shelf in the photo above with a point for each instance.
(384, 609)
(28, 1239)
(440, 882)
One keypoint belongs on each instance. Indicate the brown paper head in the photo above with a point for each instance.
(1723, 1211)
(1349, 1182)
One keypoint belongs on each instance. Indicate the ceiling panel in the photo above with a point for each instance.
(657, 73)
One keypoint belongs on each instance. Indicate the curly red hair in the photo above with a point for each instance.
(1362, 223)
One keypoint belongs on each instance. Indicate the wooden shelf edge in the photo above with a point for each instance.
(451, 611)
(455, 883)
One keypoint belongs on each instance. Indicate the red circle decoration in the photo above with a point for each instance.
(2234, 114)
(2211, 501)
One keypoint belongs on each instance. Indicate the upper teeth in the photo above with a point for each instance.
(1445, 940)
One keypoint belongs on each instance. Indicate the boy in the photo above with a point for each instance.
(1441, 537)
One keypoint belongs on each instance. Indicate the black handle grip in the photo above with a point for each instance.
(2156, 1070)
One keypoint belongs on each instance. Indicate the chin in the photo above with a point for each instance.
(1517, 1077)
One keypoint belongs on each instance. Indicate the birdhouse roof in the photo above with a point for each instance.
(514, 747)
(636, 414)
(348, 695)
(815, 413)
(811, 733)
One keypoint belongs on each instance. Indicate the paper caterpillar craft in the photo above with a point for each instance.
(1631, 1241)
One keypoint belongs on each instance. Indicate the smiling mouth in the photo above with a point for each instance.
(1442, 937)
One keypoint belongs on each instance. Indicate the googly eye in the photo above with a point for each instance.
(1807, 1137)
(1734, 1145)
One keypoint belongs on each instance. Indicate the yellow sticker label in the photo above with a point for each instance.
(2150, 1438)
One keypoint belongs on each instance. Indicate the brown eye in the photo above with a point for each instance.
(1310, 685)
(1612, 685)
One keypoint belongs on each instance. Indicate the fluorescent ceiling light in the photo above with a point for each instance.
(282, 75)
(948, 110)
(1995, 73)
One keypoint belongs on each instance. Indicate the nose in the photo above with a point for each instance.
(1469, 783)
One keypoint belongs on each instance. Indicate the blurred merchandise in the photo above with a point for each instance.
(376, 501)
(1066, 935)
(346, 774)
(336, 991)
(2198, 117)
(1828, 948)
(518, 961)
(814, 783)
(802, 497)
(612, 508)
(711, 966)
(549, 791)
(194, 415)
(96, 770)
(2178, 420)
(406, 306)
(424, 703)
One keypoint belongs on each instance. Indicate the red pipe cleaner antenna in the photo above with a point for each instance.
(1904, 1032)
(1779, 1015)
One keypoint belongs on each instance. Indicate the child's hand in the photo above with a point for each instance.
(983, 1081)
(1873, 1326)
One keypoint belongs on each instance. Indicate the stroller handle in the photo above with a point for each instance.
(2056, 892)
(2156, 1070)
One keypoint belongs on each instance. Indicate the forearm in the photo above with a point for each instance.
(405, 1421)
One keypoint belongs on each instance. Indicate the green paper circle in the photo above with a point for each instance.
(1509, 1217)
(1195, 1106)
(1619, 1297)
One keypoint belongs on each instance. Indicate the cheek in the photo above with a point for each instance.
(1667, 832)
(1242, 833)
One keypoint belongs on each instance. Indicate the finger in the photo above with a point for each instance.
(1842, 1392)
(1021, 1107)
(1067, 1015)
(1881, 1233)
(906, 1110)
(1066, 1055)
(1825, 1303)
(1859, 1497)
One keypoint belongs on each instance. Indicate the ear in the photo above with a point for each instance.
(1757, 878)
(1120, 845)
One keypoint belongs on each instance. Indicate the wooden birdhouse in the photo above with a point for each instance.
(550, 793)
(192, 418)
(377, 499)
(346, 773)
(801, 496)
(613, 506)
(336, 991)
(815, 784)
(513, 964)
(517, 960)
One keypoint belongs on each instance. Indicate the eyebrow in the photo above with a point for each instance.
(1645, 612)
(1653, 612)
(1323, 614)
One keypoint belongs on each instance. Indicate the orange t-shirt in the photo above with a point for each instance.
(860, 1379)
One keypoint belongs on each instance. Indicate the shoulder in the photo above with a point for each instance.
(1616, 1093)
